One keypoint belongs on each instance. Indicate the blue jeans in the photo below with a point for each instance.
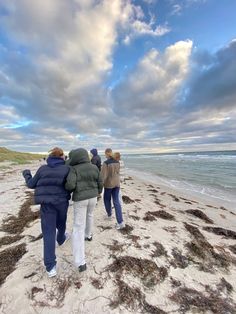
(114, 194)
(52, 217)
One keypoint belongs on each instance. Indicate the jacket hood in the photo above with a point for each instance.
(79, 156)
(94, 151)
(55, 161)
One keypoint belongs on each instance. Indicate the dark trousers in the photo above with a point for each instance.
(114, 194)
(53, 216)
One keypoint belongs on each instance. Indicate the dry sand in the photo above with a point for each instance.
(171, 258)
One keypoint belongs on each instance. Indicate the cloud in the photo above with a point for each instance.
(152, 88)
(54, 67)
(212, 83)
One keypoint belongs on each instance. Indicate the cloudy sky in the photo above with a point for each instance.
(137, 76)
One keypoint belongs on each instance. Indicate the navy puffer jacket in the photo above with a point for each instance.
(49, 182)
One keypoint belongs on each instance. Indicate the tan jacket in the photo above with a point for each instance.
(111, 173)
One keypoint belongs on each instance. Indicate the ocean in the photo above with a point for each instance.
(210, 174)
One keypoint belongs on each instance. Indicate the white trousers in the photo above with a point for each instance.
(82, 228)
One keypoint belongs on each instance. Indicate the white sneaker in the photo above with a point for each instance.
(120, 226)
(52, 272)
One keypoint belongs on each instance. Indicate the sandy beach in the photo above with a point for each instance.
(177, 254)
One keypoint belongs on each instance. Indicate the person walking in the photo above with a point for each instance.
(96, 159)
(111, 180)
(84, 180)
(53, 198)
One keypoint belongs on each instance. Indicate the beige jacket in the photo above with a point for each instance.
(111, 173)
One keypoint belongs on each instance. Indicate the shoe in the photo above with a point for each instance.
(82, 268)
(67, 237)
(108, 217)
(52, 272)
(89, 238)
(120, 226)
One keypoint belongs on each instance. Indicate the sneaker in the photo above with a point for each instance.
(120, 226)
(88, 238)
(108, 217)
(67, 237)
(52, 272)
(82, 268)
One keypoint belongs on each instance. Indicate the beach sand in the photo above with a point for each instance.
(177, 254)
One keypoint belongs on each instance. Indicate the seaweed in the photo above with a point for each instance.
(115, 247)
(229, 234)
(135, 239)
(190, 299)
(96, 283)
(126, 230)
(170, 229)
(179, 260)
(149, 217)
(149, 273)
(203, 250)
(127, 200)
(198, 213)
(8, 259)
(161, 214)
(132, 298)
(175, 198)
(233, 248)
(10, 239)
(224, 285)
(16, 224)
(159, 250)
(134, 217)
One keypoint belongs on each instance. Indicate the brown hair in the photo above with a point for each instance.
(108, 152)
(56, 152)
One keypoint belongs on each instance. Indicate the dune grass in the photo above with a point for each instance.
(17, 157)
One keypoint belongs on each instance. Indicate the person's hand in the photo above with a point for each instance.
(25, 172)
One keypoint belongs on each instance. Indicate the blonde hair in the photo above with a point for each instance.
(56, 152)
(116, 156)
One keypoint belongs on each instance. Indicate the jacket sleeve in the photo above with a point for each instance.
(104, 172)
(71, 180)
(30, 181)
(100, 183)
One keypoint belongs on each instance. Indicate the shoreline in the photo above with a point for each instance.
(215, 201)
(176, 252)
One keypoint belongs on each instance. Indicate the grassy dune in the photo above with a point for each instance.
(17, 157)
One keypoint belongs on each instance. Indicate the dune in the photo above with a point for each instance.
(176, 255)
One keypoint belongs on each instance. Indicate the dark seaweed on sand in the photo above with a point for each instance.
(147, 270)
(203, 250)
(229, 234)
(190, 299)
(132, 298)
(16, 224)
(8, 259)
(198, 213)
(127, 200)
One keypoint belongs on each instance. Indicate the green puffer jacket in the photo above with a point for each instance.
(84, 178)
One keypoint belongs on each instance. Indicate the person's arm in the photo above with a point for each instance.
(71, 180)
(30, 181)
(100, 183)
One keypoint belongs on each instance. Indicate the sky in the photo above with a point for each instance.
(137, 76)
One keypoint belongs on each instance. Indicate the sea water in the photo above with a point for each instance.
(211, 174)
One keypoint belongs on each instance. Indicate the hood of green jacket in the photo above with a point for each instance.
(79, 156)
